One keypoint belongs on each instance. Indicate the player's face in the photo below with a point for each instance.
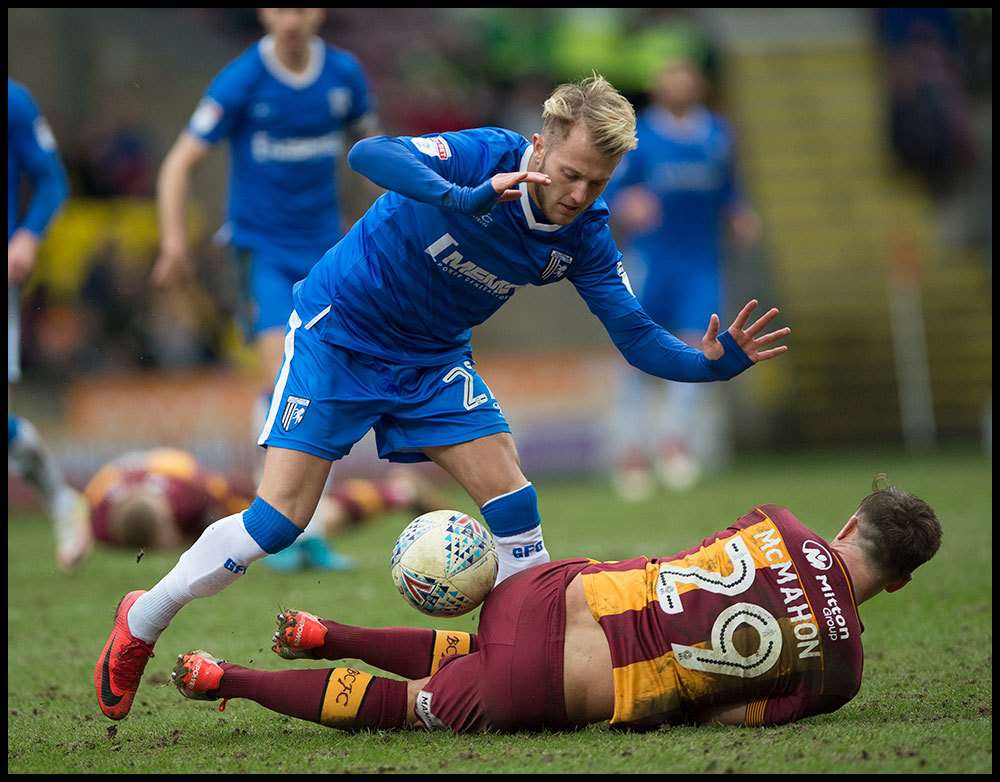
(680, 86)
(578, 170)
(292, 26)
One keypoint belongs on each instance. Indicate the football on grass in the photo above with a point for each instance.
(444, 563)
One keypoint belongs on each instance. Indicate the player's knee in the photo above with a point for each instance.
(293, 483)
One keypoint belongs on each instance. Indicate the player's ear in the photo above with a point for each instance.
(895, 586)
(538, 143)
(849, 529)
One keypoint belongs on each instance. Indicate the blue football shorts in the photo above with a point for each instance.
(327, 397)
(683, 302)
(267, 274)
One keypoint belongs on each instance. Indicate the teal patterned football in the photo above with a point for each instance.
(444, 563)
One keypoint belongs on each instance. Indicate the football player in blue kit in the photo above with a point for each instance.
(379, 338)
(675, 195)
(32, 156)
(285, 106)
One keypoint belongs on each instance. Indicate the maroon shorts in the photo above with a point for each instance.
(515, 680)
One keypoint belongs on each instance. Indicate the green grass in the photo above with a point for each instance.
(926, 703)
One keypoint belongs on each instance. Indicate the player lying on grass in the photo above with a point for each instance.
(380, 339)
(163, 498)
(758, 625)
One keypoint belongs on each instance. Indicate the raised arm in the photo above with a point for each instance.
(447, 171)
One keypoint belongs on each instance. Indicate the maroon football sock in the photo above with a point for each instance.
(338, 697)
(413, 652)
(296, 693)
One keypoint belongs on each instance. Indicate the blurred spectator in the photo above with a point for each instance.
(675, 195)
(929, 121)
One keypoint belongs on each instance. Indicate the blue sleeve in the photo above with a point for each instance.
(733, 196)
(32, 142)
(361, 101)
(222, 107)
(603, 284)
(450, 170)
(628, 174)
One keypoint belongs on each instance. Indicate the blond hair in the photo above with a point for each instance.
(605, 112)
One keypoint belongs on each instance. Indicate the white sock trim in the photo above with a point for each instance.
(501, 496)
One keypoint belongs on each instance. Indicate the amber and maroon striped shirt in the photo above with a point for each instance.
(762, 614)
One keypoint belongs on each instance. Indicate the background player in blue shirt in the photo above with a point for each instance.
(285, 106)
(379, 338)
(32, 157)
(675, 195)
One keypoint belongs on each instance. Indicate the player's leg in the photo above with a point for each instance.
(301, 448)
(28, 457)
(677, 462)
(690, 410)
(629, 436)
(311, 547)
(285, 501)
(269, 273)
(489, 470)
(515, 681)
(343, 698)
(413, 652)
(449, 415)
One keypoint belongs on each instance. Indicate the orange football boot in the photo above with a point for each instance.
(298, 634)
(120, 666)
(197, 675)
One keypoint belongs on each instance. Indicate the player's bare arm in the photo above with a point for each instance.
(172, 188)
(22, 250)
(723, 715)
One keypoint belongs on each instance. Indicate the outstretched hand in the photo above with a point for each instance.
(506, 184)
(746, 338)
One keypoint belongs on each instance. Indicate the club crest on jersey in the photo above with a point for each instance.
(295, 411)
(558, 264)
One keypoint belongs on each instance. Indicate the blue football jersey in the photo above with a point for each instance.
(410, 280)
(286, 132)
(31, 153)
(689, 167)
